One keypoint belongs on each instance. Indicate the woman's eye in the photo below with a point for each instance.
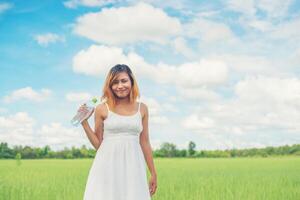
(123, 81)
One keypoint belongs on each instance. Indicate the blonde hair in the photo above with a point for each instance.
(107, 93)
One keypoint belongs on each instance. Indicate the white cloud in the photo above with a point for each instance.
(3, 110)
(265, 111)
(45, 39)
(155, 112)
(195, 122)
(208, 13)
(246, 6)
(162, 120)
(208, 31)
(21, 129)
(59, 136)
(207, 73)
(182, 48)
(175, 4)
(192, 74)
(29, 94)
(266, 16)
(200, 93)
(141, 22)
(78, 96)
(97, 60)
(202, 73)
(4, 7)
(269, 89)
(288, 30)
(271, 33)
(89, 62)
(155, 143)
(169, 107)
(247, 64)
(261, 25)
(294, 58)
(17, 129)
(277, 8)
(273, 8)
(88, 3)
(20, 119)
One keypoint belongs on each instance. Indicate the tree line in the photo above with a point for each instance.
(166, 150)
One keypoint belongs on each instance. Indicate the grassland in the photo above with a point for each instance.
(178, 179)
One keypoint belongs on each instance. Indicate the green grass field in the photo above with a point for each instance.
(178, 179)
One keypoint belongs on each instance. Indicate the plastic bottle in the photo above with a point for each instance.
(80, 115)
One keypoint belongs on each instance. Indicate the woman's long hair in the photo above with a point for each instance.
(108, 94)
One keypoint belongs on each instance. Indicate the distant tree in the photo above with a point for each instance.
(38, 152)
(46, 151)
(191, 148)
(199, 154)
(84, 151)
(168, 149)
(270, 150)
(294, 148)
(297, 153)
(158, 153)
(76, 152)
(91, 153)
(5, 151)
(69, 155)
(233, 153)
(165, 150)
(18, 159)
(28, 152)
(182, 153)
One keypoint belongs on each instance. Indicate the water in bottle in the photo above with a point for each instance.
(80, 115)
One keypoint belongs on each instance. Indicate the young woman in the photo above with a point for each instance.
(121, 139)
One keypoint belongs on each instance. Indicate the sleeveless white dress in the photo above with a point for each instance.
(118, 171)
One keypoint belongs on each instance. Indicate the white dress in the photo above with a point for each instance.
(118, 171)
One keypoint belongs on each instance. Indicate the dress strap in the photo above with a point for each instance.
(139, 106)
(107, 106)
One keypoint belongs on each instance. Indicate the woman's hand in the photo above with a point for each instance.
(152, 184)
(84, 110)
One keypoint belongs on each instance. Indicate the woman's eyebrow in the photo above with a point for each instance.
(121, 79)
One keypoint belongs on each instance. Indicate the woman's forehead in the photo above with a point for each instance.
(121, 75)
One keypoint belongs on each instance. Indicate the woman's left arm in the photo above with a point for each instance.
(145, 143)
(147, 150)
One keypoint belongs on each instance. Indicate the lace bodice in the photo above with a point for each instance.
(116, 124)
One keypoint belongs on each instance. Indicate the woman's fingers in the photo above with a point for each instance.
(152, 191)
(153, 187)
(82, 107)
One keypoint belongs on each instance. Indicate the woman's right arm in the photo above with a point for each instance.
(95, 137)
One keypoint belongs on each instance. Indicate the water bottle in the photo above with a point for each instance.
(80, 115)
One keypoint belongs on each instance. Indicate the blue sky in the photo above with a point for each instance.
(224, 74)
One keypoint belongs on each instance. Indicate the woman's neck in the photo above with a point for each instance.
(122, 101)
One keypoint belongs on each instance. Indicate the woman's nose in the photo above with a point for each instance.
(120, 85)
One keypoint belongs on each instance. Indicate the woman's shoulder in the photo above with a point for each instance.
(101, 110)
(143, 108)
(143, 105)
(100, 107)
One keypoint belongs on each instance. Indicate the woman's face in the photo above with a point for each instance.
(121, 86)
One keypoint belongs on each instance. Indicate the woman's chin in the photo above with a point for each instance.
(122, 96)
